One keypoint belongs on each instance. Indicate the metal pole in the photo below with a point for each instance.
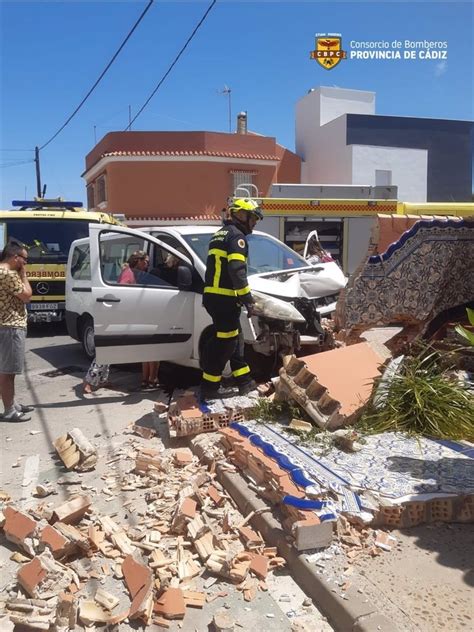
(230, 111)
(38, 174)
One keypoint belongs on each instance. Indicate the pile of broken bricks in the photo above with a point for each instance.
(190, 527)
(309, 528)
(188, 416)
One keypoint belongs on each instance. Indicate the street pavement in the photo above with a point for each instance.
(52, 382)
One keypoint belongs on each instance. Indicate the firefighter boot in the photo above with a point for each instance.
(210, 392)
(247, 387)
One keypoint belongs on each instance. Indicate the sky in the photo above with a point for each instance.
(52, 53)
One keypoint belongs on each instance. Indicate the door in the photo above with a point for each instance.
(139, 313)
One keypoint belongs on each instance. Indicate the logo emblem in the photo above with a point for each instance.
(42, 287)
(328, 52)
(241, 243)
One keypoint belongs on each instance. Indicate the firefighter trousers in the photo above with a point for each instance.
(225, 345)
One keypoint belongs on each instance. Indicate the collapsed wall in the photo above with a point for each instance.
(424, 272)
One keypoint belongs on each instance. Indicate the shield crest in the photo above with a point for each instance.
(328, 52)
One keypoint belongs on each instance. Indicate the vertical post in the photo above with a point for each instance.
(38, 174)
(230, 110)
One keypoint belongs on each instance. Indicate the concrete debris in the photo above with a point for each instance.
(43, 490)
(347, 439)
(72, 511)
(299, 424)
(223, 621)
(35, 614)
(143, 431)
(76, 451)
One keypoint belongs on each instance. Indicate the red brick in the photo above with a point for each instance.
(55, 541)
(138, 579)
(171, 604)
(30, 575)
(18, 525)
(259, 566)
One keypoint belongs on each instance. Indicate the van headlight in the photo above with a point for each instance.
(271, 307)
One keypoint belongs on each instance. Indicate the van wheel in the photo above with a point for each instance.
(87, 337)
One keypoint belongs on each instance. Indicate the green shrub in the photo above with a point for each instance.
(423, 399)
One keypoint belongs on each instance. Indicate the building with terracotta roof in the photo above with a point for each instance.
(181, 175)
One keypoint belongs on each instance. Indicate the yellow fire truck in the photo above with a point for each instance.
(47, 228)
(343, 225)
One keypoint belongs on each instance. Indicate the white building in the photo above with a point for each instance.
(342, 141)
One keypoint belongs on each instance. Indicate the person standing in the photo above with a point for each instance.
(15, 292)
(136, 273)
(226, 290)
(97, 375)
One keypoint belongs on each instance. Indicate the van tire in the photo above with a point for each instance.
(87, 336)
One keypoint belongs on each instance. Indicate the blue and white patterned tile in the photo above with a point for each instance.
(391, 464)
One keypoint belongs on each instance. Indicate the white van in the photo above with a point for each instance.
(163, 319)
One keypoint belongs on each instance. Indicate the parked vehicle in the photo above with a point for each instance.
(47, 228)
(162, 318)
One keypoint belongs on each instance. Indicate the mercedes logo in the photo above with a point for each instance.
(42, 287)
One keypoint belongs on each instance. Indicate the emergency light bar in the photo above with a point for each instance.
(46, 204)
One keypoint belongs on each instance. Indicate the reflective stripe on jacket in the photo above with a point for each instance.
(226, 268)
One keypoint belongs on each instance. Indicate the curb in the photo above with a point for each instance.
(345, 615)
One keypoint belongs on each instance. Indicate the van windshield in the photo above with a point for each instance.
(265, 254)
(46, 239)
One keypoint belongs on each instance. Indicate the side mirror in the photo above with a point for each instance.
(185, 278)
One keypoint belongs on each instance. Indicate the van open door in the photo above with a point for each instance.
(140, 315)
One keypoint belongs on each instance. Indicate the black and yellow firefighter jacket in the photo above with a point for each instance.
(226, 268)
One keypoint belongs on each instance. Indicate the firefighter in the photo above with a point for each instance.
(226, 290)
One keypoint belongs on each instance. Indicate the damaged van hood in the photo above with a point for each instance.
(318, 281)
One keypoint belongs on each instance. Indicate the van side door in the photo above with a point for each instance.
(139, 316)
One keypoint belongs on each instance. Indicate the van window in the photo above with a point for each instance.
(81, 263)
(149, 267)
(267, 255)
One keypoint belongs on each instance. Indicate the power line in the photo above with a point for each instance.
(172, 65)
(15, 164)
(101, 75)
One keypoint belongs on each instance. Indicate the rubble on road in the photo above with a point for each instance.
(76, 451)
(81, 565)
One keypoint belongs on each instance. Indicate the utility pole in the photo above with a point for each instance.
(38, 174)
